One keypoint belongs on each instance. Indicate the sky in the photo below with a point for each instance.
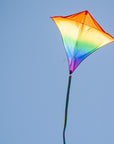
(34, 76)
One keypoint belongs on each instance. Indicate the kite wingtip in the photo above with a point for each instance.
(52, 18)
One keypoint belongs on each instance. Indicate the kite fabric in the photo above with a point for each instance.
(81, 36)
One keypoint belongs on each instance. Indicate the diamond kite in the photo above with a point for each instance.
(81, 36)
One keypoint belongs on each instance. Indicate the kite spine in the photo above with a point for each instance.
(66, 108)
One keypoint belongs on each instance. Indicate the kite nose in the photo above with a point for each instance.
(86, 12)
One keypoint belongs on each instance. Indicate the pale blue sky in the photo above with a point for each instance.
(34, 76)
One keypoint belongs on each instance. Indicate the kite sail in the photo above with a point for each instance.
(81, 36)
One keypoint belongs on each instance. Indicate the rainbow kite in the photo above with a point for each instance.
(81, 35)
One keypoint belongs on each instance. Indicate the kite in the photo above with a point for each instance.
(81, 36)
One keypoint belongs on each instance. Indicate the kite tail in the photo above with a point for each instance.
(66, 108)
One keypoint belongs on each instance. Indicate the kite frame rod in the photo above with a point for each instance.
(66, 108)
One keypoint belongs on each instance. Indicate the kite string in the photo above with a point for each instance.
(66, 108)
